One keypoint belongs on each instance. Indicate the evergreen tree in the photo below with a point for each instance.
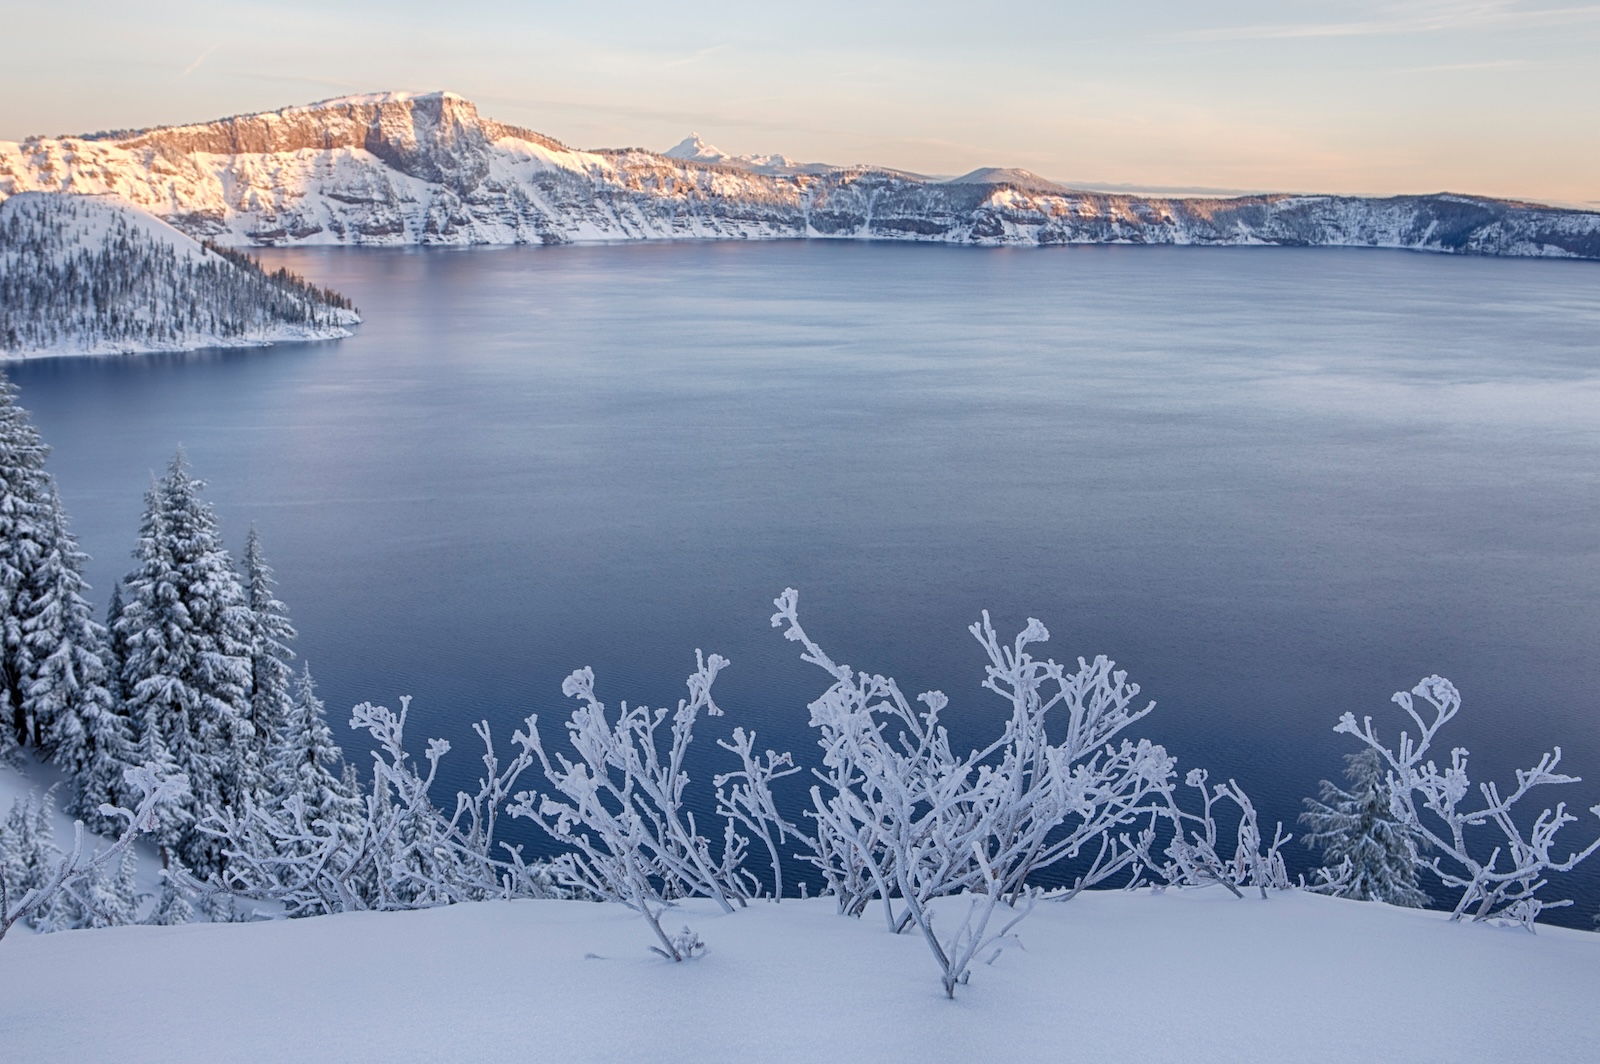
(1358, 825)
(174, 820)
(116, 646)
(70, 709)
(27, 846)
(271, 696)
(172, 905)
(307, 762)
(24, 493)
(184, 632)
(53, 659)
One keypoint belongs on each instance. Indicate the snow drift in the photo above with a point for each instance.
(1192, 975)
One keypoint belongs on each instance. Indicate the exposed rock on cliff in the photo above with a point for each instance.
(395, 168)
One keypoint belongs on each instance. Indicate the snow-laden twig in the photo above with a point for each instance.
(620, 808)
(1491, 888)
(1192, 858)
(77, 865)
(902, 818)
(399, 851)
(744, 797)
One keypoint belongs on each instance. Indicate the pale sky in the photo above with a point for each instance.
(1496, 97)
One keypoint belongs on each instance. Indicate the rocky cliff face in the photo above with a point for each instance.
(428, 169)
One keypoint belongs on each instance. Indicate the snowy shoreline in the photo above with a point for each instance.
(285, 336)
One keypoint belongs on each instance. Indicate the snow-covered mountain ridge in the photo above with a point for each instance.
(397, 168)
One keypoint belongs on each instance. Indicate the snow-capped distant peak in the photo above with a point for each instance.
(692, 147)
(1008, 175)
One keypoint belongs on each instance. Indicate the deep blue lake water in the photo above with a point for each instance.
(1273, 484)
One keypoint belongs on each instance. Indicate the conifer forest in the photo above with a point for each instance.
(84, 274)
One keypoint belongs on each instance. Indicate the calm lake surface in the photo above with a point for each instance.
(1273, 484)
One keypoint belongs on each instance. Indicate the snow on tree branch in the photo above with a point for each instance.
(1491, 888)
(620, 807)
(76, 866)
(900, 816)
(396, 850)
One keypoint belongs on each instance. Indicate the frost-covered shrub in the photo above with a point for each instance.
(1191, 858)
(1429, 801)
(904, 819)
(619, 808)
(394, 850)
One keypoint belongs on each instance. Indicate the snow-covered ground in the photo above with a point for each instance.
(1195, 976)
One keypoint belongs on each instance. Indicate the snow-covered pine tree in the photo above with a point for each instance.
(24, 492)
(53, 664)
(184, 632)
(271, 694)
(27, 845)
(308, 763)
(172, 904)
(1357, 825)
(116, 647)
(72, 713)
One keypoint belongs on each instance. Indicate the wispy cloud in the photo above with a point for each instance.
(1428, 16)
(201, 58)
(695, 58)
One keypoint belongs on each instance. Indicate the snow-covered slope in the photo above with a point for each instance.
(93, 275)
(1195, 976)
(395, 168)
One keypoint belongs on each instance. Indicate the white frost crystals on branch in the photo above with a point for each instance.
(621, 809)
(901, 817)
(397, 851)
(77, 875)
(1505, 885)
(1192, 858)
